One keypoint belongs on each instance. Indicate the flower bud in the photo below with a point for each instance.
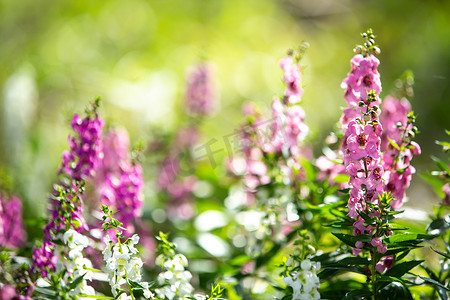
(358, 49)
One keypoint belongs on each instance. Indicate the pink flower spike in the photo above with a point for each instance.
(292, 79)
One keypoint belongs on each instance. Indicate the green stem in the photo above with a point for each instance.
(373, 276)
(130, 288)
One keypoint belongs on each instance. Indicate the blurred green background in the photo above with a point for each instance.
(57, 56)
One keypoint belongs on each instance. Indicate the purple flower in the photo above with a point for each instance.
(200, 94)
(12, 234)
(66, 211)
(171, 180)
(85, 148)
(44, 259)
(119, 182)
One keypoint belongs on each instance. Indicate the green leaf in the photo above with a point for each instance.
(434, 282)
(435, 182)
(327, 273)
(443, 144)
(408, 237)
(135, 284)
(344, 191)
(439, 226)
(401, 269)
(403, 255)
(368, 220)
(442, 165)
(309, 169)
(351, 239)
(395, 290)
(393, 144)
(240, 260)
(392, 251)
(336, 268)
(45, 291)
(442, 289)
(341, 178)
(352, 261)
(441, 253)
(75, 282)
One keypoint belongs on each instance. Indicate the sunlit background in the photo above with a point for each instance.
(58, 56)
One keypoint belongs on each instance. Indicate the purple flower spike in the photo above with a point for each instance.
(85, 148)
(12, 234)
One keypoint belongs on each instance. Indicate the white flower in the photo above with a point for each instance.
(306, 264)
(122, 265)
(175, 280)
(147, 293)
(72, 239)
(304, 283)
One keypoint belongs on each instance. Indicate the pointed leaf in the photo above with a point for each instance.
(351, 239)
(434, 282)
(441, 253)
(75, 282)
(408, 237)
(442, 165)
(401, 269)
(135, 284)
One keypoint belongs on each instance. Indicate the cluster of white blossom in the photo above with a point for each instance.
(174, 280)
(124, 266)
(303, 280)
(71, 261)
(74, 261)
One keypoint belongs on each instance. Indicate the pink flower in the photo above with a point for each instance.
(384, 264)
(201, 94)
(363, 78)
(397, 177)
(8, 292)
(292, 78)
(382, 248)
(329, 170)
(376, 241)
